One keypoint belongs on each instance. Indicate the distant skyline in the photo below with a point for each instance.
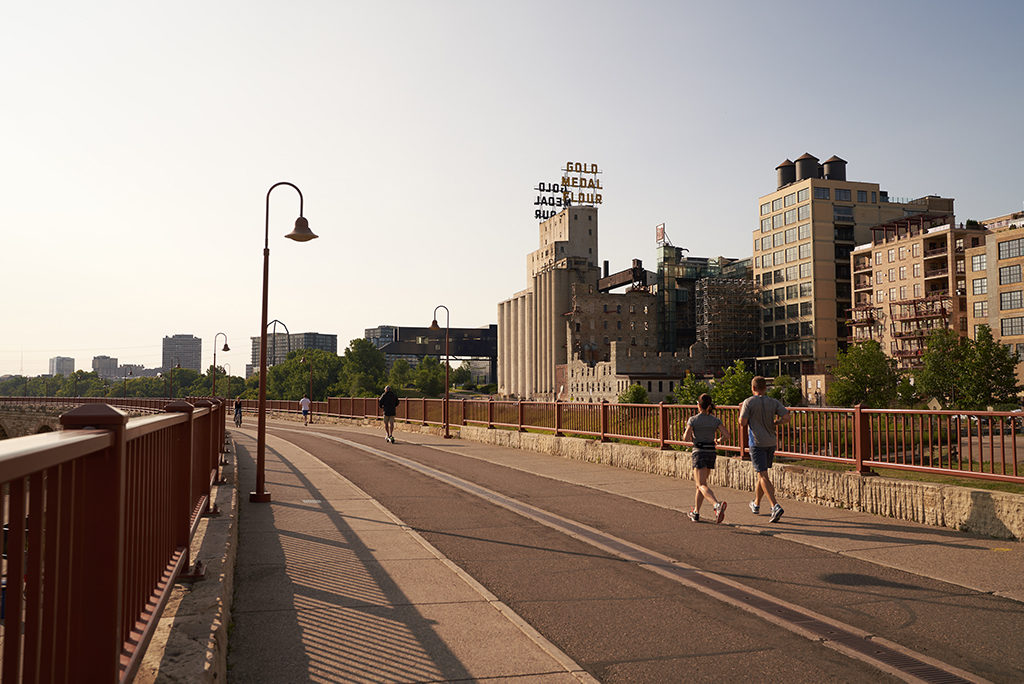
(141, 139)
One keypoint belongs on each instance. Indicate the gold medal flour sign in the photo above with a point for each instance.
(580, 185)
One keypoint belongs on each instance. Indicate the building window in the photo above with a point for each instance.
(1011, 300)
(892, 255)
(917, 270)
(766, 208)
(790, 199)
(805, 270)
(892, 275)
(821, 193)
(981, 309)
(892, 293)
(805, 308)
(805, 289)
(777, 221)
(791, 292)
(777, 204)
(1011, 326)
(862, 195)
(779, 239)
(915, 249)
(878, 257)
(792, 273)
(917, 289)
(842, 214)
(978, 262)
(903, 253)
(903, 291)
(805, 250)
(791, 254)
(1011, 248)
(790, 216)
(802, 195)
(1009, 274)
(979, 286)
(903, 272)
(766, 225)
(803, 212)
(805, 231)
(873, 197)
(842, 195)
(791, 235)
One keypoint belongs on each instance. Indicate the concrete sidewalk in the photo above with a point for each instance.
(329, 583)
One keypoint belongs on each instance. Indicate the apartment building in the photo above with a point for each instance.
(808, 228)
(995, 293)
(280, 345)
(62, 365)
(911, 279)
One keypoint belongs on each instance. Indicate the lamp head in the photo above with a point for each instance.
(301, 233)
(226, 347)
(434, 325)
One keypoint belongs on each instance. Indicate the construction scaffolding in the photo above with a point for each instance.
(728, 319)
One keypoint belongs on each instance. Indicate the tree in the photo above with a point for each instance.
(634, 394)
(364, 368)
(401, 374)
(734, 385)
(461, 375)
(863, 374)
(991, 377)
(429, 377)
(690, 389)
(786, 390)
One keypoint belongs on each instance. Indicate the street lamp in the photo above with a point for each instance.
(301, 233)
(310, 395)
(170, 393)
(226, 348)
(126, 383)
(288, 336)
(435, 326)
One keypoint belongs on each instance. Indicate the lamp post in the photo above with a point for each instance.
(435, 326)
(226, 348)
(170, 392)
(301, 233)
(126, 383)
(287, 332)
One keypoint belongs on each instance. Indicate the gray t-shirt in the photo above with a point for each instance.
(760, 410)
(704, 428)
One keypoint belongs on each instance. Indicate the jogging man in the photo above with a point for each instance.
(388, 403)
(759, 415)
(304, 404)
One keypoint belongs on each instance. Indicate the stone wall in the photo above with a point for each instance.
(21, 420)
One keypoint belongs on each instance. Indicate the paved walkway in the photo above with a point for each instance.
(334, 585)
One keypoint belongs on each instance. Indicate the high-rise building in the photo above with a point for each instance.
(105, 367)
(62, 365)
(183, 350)
(808, 228)
(280, 345)
(531, 324)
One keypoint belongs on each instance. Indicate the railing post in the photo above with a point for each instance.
(520, 403)
(662, 426)
(604, 420)
(490, 413)
(98, 553)
(861, 440)
(462, 407)
(558, 418)
(424, 410)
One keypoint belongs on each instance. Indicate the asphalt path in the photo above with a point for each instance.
(622, 623)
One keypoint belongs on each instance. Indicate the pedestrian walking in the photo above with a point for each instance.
(304, 404)
(759, 415)
(703, 430)
(238, 413)
(388, 403)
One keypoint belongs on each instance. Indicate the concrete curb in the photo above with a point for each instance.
(191, 640)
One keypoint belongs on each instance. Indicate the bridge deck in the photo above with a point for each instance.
(342, 579)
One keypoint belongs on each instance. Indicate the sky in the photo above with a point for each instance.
(140, 140)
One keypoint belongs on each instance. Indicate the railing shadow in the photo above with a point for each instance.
(312, 603)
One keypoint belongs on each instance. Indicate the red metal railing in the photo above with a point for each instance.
(973, 444)
(98, 521)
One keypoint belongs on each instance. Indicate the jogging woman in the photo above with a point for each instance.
(703, 430)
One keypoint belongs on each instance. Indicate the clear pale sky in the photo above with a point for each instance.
(140, 139)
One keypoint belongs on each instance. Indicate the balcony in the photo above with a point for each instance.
(936, 251)
(937, 273)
